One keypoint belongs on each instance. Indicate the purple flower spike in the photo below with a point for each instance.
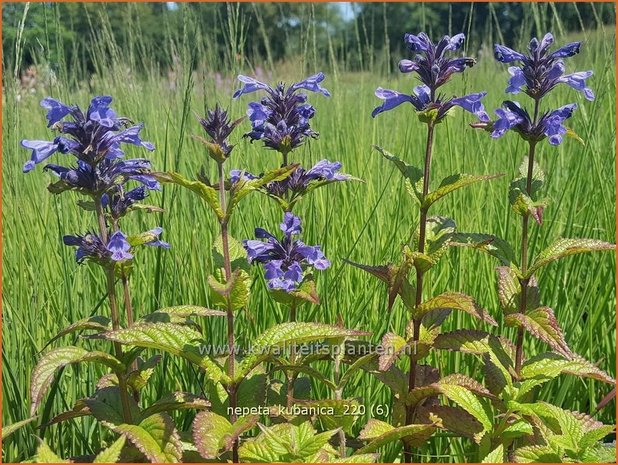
(95, 139)
(434, 69)
(285, 261)
(90, 246)
(282, 119)
(540, 71)
(156, 242)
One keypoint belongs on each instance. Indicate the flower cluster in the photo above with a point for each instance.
(298, 182)
(95, 138)
(540, 72)
(434, 69)
(550, 124)
(282, 119)
(284, 261)
(218, 126)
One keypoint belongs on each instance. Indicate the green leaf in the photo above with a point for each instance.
(549, 365)
(438, 235)
(453, 419)
(454, 182)
(137, 379)
(344, 412)
(536, 454)
(487, 243)
(207, 193)
(393, 276)
(244, 187)
(112, 453)
(374, 429)
(413, 175)
(285, 443)
(469, 341)
(564, 248)
(214, 434)
(413, 434)
(517, 429)
(45, 455)
(526, 202)
(468, 401)
(238, 255)
(176, 401)
(80, 409)
(175, 314)
(454, 301)
(107, 407)
(495, 456)
(235, 291)
(306, 292)
(542, 324)
(43, 372)
(279, 338)
(177, 340)
(7, 430)
(98, 323)
(509, 291)
(155, 437)
(392, 345)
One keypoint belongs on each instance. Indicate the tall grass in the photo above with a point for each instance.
(44, 291)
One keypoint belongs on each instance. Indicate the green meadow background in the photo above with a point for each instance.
(163, 78)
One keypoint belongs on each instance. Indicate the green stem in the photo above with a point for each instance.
(407, 451)
(227, 265)
(519, 344)
(291, 374)
(113, 305)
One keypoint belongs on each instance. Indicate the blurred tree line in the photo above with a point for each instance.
(357, 36)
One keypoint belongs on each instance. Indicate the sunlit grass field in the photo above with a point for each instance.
(44, 290)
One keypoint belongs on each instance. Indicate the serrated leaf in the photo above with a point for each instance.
(244, 187)
(107, 407)
(468, 401)
(565, 247)
(214, 434)
(454, 182)
(536, 454)
(374, 429)
(392, 345)
(207, 193)
(454, 301)
(438, 235)
(413, 434)
(179, 311)
(549, 365)
(45, 455)
(395, 277)
(495, 456)
(235, 292)
(454, 419)
(517, 429)
(509, 291)
(542, 324)
(285, 443)
(413, 175)
(43, 372)
(176, 401)
(175, 339)
(344, 412)
(487, 243)
(155, 437)
(281, 337)
(80, 409)
(99, 323)
(238, 255)
(112, 453)
(306, 292)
